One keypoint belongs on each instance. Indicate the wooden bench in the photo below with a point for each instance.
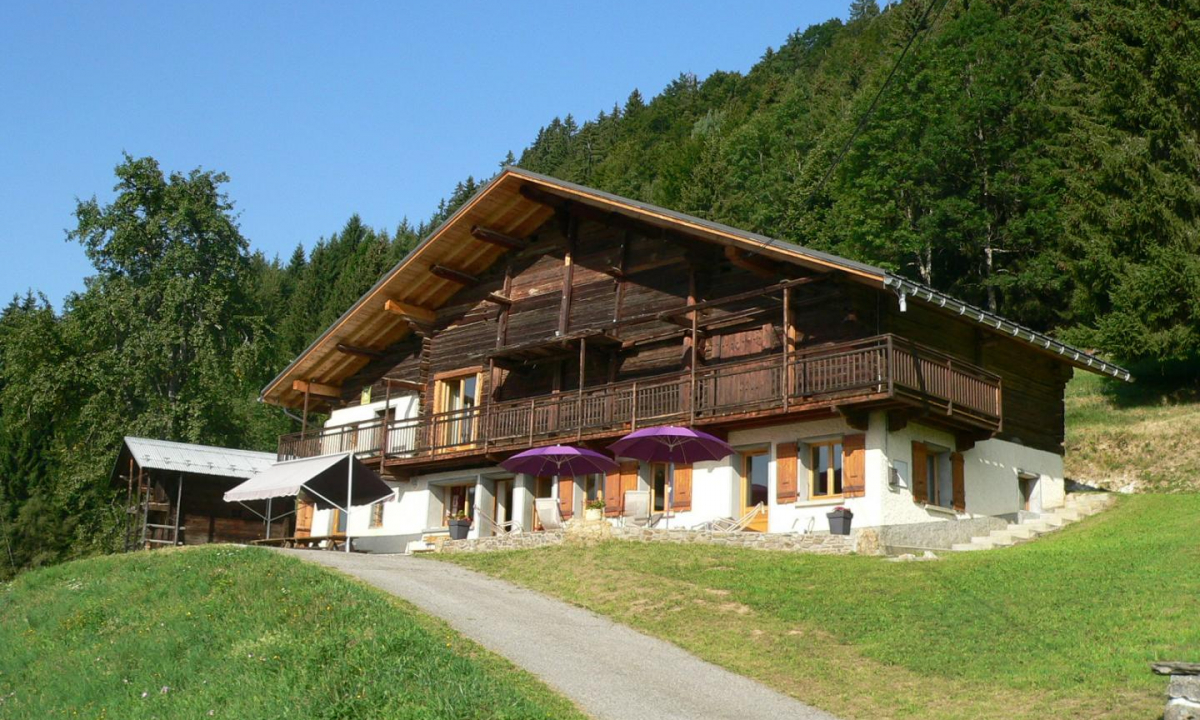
(336, 542)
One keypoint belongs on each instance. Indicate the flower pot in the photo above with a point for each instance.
(839, 521)
(459, 529)
(593, 514)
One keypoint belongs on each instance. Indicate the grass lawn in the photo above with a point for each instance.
(1063, 627)
(1142, 433)
(222, 631)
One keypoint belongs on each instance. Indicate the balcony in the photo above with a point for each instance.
(882, 371)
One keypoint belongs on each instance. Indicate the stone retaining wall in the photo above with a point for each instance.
(863, 542)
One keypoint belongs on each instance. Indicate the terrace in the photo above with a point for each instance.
(881, 372)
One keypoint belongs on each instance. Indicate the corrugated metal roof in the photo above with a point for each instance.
(204, 459)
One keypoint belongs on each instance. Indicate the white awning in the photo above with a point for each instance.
(332, 480)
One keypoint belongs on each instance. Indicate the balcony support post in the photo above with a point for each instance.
(787, 343)
(487, 410)
(891, 367)
(387, 408)
(579, 401)
(304, 417)
(633, 400)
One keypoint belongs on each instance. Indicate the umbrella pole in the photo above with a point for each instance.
(670, 494)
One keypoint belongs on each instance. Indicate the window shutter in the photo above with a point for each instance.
(785, 473)
(854, 466)
(920, 473)
(612, 492)
(629, 480)
(958, 477)
(566, 496)
(681, 488)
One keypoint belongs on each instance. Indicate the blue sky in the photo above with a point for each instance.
(318, 111)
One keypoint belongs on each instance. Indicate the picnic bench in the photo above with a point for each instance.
(335, 542)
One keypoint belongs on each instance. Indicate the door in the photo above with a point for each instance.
(755, 471)
(1028, 485)
(543, 487)
(660, 477)
(304, 518)
(457, 399)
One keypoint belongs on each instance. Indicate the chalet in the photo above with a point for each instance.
(174, 493)
(543, 312)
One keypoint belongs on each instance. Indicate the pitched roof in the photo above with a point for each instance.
(202, 459)
(506, 205)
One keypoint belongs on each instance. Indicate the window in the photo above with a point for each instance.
(459, 498)
(339, 521)
(826, 467)
(593, 487)
(938, 483)
(377, 515)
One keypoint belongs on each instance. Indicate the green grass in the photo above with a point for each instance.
(1063, 627)
(1142, 434)
(221, 631)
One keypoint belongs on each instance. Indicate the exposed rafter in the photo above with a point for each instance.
(318, 389)
(347, 349)
(453, 275)
(415, 313)
(499, 299)
(498, 239)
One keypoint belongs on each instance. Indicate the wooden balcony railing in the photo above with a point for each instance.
(884, 366)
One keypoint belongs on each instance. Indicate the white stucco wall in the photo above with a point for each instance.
(990, 471)
(405, 405)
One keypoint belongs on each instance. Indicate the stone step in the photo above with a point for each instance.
(966, 547)
(1051, 520)
(1067, 515)
(1021, 531)
(1000, 538)
(1038, 527)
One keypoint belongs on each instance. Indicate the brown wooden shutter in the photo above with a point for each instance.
(612, 492)
(681, 490)
(566, 496)
(854, 466)
(920, 473)
(629, 479)
(958, 478)
(785, 472)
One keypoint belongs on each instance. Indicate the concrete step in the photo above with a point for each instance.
(966, 547)
(1000, 538)
(1067, 515)
(1037, 527)
(1020, 531)
(1054, 521)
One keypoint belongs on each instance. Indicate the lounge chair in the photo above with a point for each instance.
(504, 528)
(731, 525)
(636, 510)
(548, 513)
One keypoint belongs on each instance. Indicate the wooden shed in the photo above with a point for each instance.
(174, 493)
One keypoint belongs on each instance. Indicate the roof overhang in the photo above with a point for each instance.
(512, 206)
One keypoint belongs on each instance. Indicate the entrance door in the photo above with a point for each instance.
(1028, 485)
(304, 518)
(755, 465)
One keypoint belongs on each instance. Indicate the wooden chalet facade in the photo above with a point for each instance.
(544, 312)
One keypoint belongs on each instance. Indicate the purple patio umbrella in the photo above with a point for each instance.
(671, 444)
(559, 460)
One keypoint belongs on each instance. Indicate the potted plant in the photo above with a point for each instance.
(593, 510)
(839, 520)
(460, 525)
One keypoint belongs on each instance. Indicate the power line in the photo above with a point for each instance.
(862, 123)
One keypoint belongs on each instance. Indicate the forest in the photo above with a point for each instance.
(1039, 159)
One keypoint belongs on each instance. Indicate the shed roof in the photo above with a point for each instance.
(508, 205)
(190, 458)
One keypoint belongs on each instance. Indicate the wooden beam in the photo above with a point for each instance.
(749, 294)
(453, 275)
(359, 351)
(499, 299)
(568, 282)
(498, 239)
(415, 313)
(856, 419)
(407, 385)
(754, 263)
(319, 389)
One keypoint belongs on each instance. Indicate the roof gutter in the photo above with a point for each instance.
(907, 288)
